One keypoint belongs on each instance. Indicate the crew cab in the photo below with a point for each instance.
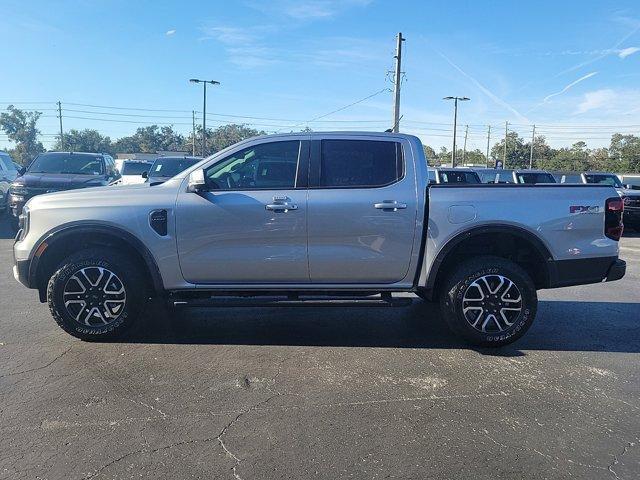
(338, 219)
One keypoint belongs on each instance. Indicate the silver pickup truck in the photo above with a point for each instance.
(339, 219)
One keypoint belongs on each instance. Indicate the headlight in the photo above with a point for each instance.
(17, 189)
(23, 221)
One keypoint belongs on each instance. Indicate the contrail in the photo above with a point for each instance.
(568, 87)
(484, 89)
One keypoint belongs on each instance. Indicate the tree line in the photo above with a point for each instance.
(21, 128)
(621, 156)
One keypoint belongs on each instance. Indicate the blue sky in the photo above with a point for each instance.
(570, 67)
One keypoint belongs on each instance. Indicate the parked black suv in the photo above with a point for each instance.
(56, 171)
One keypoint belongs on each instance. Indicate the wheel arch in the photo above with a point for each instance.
(57, 244)
(506, 241)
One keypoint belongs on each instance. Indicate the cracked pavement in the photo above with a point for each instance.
(324, 393)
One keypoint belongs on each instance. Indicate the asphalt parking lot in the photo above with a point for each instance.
(324, 393)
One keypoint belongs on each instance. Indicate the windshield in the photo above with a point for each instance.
(169, 167)
(7, 162)
(69, 163)
(535, 177)
(135, 168)
(454, 176)
(604, 180)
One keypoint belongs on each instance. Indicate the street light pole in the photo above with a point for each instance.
(455, 122)
(204, 110)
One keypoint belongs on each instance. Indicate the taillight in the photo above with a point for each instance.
(613, 227)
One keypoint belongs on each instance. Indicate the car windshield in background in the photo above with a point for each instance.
(169, 167)
(453, 176)
(68, 163)
(8, 163)
(135, 168)
(532, 178)
(604, 180)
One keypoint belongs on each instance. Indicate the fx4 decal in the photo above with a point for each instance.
(584, 209)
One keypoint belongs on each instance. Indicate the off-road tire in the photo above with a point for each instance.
(127, 273)
(462, 281)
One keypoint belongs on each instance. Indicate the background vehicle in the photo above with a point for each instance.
(631, 198)
(8, 173)
(313, 218)
(56, 171)
(453, 175)
(567, 177)
(494, 175)
(533, 177)
(133, 172)
(166, 167)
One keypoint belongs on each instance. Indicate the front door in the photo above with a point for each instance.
(362, 211)
(250, 227)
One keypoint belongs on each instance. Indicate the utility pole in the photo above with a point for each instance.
(464, 151)
(504, 152)
(60, 117)
(533, 139)
(396, 90)
(455, 123)
(193, 135)
(488, 141)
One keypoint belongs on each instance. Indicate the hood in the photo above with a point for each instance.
(627, 192)
(59, 181)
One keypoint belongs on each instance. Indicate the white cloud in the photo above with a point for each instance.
(229, 35)
(568, 87)
(308, 9)
(485, 90)
(598, 99)
(170, 33)
(625, 52)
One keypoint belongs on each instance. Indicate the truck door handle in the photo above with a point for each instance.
(390, 205)
(281, 207)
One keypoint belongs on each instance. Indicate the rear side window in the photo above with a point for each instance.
(360, 163)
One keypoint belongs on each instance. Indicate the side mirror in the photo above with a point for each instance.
(145, 174)
(196, 181)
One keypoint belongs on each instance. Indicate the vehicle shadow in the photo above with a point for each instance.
(560, 326)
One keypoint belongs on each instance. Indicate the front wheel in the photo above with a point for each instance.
(96, 294)
(489, 301)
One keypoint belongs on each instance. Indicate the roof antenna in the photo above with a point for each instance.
(390, 130)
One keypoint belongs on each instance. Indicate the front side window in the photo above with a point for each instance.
(68, 163)
(360, 163)
(264, 166)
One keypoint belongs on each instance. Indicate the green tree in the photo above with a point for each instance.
(517, 151)
(152, 139)
(226, 135)
(87, 140)
(20, 127)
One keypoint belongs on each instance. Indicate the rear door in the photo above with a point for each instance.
(362, 210)
(250, 227)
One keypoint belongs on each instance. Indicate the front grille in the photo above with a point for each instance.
(632, 202)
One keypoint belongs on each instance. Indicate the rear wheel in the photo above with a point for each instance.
(96, 294)
(489, 301)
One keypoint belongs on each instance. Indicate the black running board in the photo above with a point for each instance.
(385, 300)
